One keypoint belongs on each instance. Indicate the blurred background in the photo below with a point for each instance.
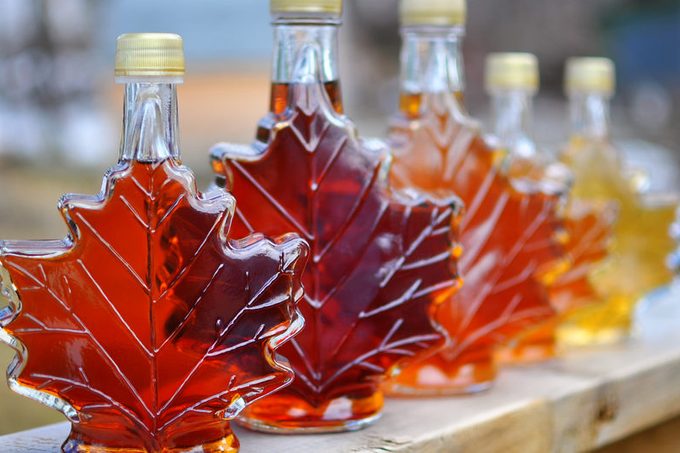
(60, 111)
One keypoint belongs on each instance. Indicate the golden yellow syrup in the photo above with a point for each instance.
(639, 248)
(588, 228)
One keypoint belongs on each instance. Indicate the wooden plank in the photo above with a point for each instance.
(588, 399)
(664, 438)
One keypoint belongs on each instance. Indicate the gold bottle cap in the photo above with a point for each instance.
(149, 55)
(590, 75)
(307, 6)
(508, 71)
(434, 12)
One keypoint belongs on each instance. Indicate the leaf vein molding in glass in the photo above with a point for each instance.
(641, 241)
(510, 232)
(148, 326)
(512, 81)
(381, 261)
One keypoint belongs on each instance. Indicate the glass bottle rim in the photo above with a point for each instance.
(306, 18)
(151, 79)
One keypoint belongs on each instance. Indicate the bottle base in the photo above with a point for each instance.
(402, 391)
(285, 414)
(526, 354)
(571, 336)
(428, 380)
(603, 324)
(302, 428)
(535, 345)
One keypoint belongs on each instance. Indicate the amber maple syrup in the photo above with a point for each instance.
(519, 231)
(147, 327)
(510, 233)
(512, 81)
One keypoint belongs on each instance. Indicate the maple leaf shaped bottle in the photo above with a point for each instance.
(381, 261)
(663, 303)
(512, 80)
(641, 243)
(510, 234)
(147, 326)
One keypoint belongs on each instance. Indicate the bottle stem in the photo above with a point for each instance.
(150, 122)
(590, 116)
(296, 38)
(513, 113)
(432, 60)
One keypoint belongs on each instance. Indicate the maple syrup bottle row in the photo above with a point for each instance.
(512, 81)
(605, 207)
(166, 313)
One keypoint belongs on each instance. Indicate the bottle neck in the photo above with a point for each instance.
(589, 116)
(513, 121)
(305, 52)
(431, 63)
(150, 121)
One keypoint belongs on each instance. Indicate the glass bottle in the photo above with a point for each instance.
(661, 305)
(641, 242)
(510, 233)
(512, 80)
(147, 327)
(382, 261)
